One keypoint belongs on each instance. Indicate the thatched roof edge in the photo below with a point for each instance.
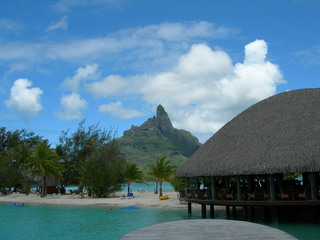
(280, 134)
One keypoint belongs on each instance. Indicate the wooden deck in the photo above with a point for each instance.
(253, 203)
(267, 205)
(208, 229)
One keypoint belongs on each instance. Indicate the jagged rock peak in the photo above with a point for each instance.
(153, 126)
(163, 119)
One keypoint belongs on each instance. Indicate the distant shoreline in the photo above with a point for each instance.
(144, 199)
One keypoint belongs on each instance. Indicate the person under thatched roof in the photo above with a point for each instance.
(280, 134)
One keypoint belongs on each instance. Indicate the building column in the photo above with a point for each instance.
(213, 188)
(312, 178)
(238, 188)
(204, 211)
(211, 210)
(189, 208)
(272, 193)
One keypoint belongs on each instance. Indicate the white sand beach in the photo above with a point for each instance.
(144, 199)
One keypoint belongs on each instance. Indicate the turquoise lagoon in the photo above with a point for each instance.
(70, 222)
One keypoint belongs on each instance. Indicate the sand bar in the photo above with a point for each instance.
(144, 199)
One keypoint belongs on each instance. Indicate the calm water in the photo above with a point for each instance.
(66, 222)
(134, 187)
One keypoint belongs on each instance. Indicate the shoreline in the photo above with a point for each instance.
(145, 199)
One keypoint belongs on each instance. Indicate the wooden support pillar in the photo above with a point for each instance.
(238, 188)
(272, 192)
(267, 213)
(245, 211)
(316, 213)
(234, 211)
(280, 214)
(203, 211)
(228, 211)
(312, 177)
(189, 208)
(213, 188)
(211, 210)
(252, 214)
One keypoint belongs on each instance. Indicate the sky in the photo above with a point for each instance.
(112, 62)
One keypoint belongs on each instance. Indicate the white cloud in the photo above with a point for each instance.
(72, 105)
(81, 75)
(24, 99)
(205, 89)
(10, 25)
(66, 5)
(117, 109)
(61, 24)
(156, 46)
(108, 86)
(256, 52)
(308, 57)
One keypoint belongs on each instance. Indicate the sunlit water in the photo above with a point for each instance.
(67, 222)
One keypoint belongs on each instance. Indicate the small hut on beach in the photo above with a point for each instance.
(268, 155)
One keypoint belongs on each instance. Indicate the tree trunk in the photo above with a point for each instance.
(128, 188)
(43, 186)
(156, 191)
(160, 192)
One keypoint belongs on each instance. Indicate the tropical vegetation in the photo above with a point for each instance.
(89, 158)
(44, 162)
(162, 171)
(132, 174)
(101, 172)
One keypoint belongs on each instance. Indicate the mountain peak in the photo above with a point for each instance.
(163, 120)
(157, 137)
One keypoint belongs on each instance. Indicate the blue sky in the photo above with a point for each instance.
(114, 61)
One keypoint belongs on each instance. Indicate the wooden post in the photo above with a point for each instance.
(238, 188)
(189, 208)
(213, 188)
(234, 211)
(312, 177)
(245, 210)
(267, 213)
(228, 211)
(211, 210)
(252, 214)
(203, 211)
(272, 193)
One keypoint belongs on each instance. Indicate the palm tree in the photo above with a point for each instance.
(44, 162)
(162, 171)
(133, 174)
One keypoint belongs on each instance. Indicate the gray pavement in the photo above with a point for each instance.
(208, 229)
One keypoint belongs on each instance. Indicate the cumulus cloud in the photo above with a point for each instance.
(24, 99)
(82, 74)
(150, 47)
(108, 86)
(72, 105)
(205, 89)
(61, 24)
(118, 110)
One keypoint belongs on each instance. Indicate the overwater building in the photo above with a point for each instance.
(267, 156)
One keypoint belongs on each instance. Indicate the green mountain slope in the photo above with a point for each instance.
(155, 138)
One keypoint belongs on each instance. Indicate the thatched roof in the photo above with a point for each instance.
(280, 134)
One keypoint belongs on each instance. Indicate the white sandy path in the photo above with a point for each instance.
(145, 199)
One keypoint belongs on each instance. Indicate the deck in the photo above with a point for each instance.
(208, 229)
(267, 205)
(258, 203)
